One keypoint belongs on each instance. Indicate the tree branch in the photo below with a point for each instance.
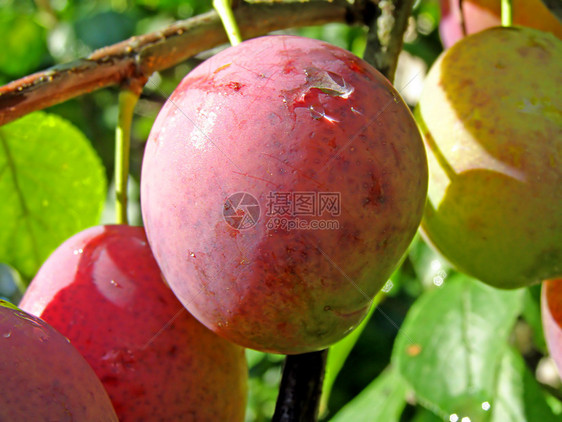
(134, 60)
(301, 387)
(386, 35)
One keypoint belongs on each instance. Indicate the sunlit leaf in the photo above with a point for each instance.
(452, 342)
(52, 185)
(382, 400)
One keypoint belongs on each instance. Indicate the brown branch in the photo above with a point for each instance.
(134, 60)
(301, 387)
(386, 35)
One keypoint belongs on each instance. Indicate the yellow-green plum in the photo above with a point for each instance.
(43, 377)
(104, 291)
(281, 184)
(491, 115)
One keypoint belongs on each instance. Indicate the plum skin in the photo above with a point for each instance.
(44, 378)
(103, 290)
(490, 116)
(282, 114)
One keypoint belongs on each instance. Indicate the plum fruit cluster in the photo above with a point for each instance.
(274, 117)
(281, 184)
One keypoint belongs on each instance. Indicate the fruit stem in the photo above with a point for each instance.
(507, 13)
(301, 387)
(127, 101)
(224, 10)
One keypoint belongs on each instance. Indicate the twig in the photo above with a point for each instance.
(138, 57)
(127, 100)
(386, 35)
(506, 13)
(224, 9)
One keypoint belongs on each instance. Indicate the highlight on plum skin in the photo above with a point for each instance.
(103, 290)
(241, 137)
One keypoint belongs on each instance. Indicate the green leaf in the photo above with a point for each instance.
(338, 353)
(532, 314)
(452, 342)
(518, 396)
(52, 185)
(253, 357)
(383, 399)
(424, 415)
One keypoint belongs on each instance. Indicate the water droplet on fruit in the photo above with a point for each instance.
(77, 251)
(192, 254)
(7, 335)
(328, 82)
(354, 110)
(114, 283)
(120, 359)
(317, 112)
